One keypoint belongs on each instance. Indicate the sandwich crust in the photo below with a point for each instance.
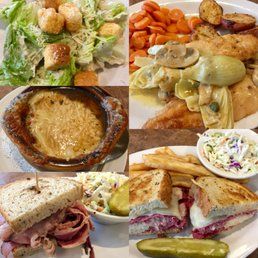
(22, 205)
(149, 190)
(220, 197)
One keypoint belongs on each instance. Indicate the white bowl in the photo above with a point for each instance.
(221, 172)
(104, 218)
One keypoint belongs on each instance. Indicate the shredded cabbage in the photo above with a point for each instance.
(231, 152)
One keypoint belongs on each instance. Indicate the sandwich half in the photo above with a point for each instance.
(155, 206)
(31, 220)
(219, 205)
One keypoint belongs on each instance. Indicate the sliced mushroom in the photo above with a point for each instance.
(175, 55)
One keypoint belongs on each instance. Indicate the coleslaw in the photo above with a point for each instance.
(231, 152)
(99, 187)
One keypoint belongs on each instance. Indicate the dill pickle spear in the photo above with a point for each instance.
(182, 248)
(119, 201)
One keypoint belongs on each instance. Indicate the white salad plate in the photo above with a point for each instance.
(12, 161)
(242, 240)
(249, 134)
(140, 110)
(111, 76)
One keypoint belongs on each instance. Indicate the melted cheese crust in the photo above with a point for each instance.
(63, 126)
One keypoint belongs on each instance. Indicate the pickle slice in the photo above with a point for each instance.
(119, 201)
(183, 248)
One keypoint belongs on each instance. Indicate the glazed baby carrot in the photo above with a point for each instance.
(147, 8)
(149, 16)
(152, 39)
(164, 10)
(159, 16)
(152, 5)
(131, 27)
(139, 42)
(193, 22)
(159, 24)
(137, 53)
(135, 17)
(172, 28)
(172, 36)
(184, 39)
(158, 30)
(162, 39)
(182, 26)
(175, 15)
(140, 33)
(142, 24)
(133, 68)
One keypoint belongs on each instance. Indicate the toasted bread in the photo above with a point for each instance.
(149, 191)
(219, 197)
(22, 205)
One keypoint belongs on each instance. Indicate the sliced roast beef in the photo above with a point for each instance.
(67, 228)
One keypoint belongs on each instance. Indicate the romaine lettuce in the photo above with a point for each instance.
(9, 12)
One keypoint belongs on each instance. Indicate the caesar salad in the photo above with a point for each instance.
(61, 42)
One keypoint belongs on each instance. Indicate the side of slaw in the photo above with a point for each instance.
(99, 187)
(231, 152)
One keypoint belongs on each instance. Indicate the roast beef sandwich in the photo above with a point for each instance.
(32, 219)
(156, 207)
(219, 204)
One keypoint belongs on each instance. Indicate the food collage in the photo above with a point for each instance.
(129, 128)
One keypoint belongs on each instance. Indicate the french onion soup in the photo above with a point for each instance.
(64, 125)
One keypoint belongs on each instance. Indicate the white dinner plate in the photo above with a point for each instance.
(242, 240)
(111, 76)
(141, 111)
(12, 161)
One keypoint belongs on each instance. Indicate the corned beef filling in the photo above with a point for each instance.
(159, 223)
(67, 228)
(217, 227)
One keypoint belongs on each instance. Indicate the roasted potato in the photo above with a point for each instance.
(238, 21)
(253, 31)
(211, 12)
(204, 31)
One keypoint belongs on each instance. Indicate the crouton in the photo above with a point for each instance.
(110, 29)
(50, 21)
(56, 56)
(86, 78)
(72, 15)
(51, 3)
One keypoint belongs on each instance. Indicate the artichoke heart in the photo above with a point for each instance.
(221, 117)
(185, 88)
(143, 78)
(216, 70)
(166, 78)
